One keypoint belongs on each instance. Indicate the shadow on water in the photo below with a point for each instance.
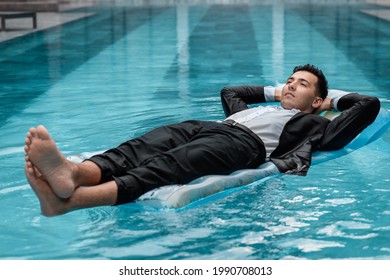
(51, 54)
(214, 52)
(365, 39)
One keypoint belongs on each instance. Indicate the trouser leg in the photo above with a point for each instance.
(133, 153)
(217, 149)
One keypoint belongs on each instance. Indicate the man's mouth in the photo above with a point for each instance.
(289, 93)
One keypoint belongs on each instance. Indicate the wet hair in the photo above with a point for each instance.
(322, 84)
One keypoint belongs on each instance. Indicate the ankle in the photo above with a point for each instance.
(86, 173)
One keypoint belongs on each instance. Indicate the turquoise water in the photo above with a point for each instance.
(98, 81)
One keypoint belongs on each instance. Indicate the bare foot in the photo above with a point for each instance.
(43, 153)
(51, 205)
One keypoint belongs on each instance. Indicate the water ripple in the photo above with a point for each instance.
(307, 245)
(340, 201)
(12, 150)
(338, 230)
(14, 189)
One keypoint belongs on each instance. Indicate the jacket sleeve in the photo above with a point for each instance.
(357, 112)
(235, 99)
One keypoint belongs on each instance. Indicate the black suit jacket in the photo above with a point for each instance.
(305, 133)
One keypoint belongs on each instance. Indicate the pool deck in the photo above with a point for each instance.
(45, 20)
(383, 11)
(383, 3)
(382, 14)
(23, 26)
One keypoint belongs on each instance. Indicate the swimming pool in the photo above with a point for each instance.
(124, 70)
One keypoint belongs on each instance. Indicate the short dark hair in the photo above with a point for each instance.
(322, 84)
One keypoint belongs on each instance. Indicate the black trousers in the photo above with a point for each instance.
(177, 154)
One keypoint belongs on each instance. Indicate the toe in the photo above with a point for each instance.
(32, 132)
(42, 132)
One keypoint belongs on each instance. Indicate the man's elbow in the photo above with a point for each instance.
(225, 91)
(373, 107)
(225, 97)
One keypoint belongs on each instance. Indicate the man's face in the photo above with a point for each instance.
(300, 92)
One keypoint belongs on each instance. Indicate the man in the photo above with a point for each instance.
(178, 153)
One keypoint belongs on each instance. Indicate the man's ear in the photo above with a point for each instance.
(317, 102)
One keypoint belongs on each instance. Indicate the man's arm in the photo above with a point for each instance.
(235, 99)
(357, 112)
(278, 94)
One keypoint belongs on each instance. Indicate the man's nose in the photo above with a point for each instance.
(292, 86)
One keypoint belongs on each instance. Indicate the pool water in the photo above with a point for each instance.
(116, 74)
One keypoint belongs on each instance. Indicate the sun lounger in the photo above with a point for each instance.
(12, 15)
